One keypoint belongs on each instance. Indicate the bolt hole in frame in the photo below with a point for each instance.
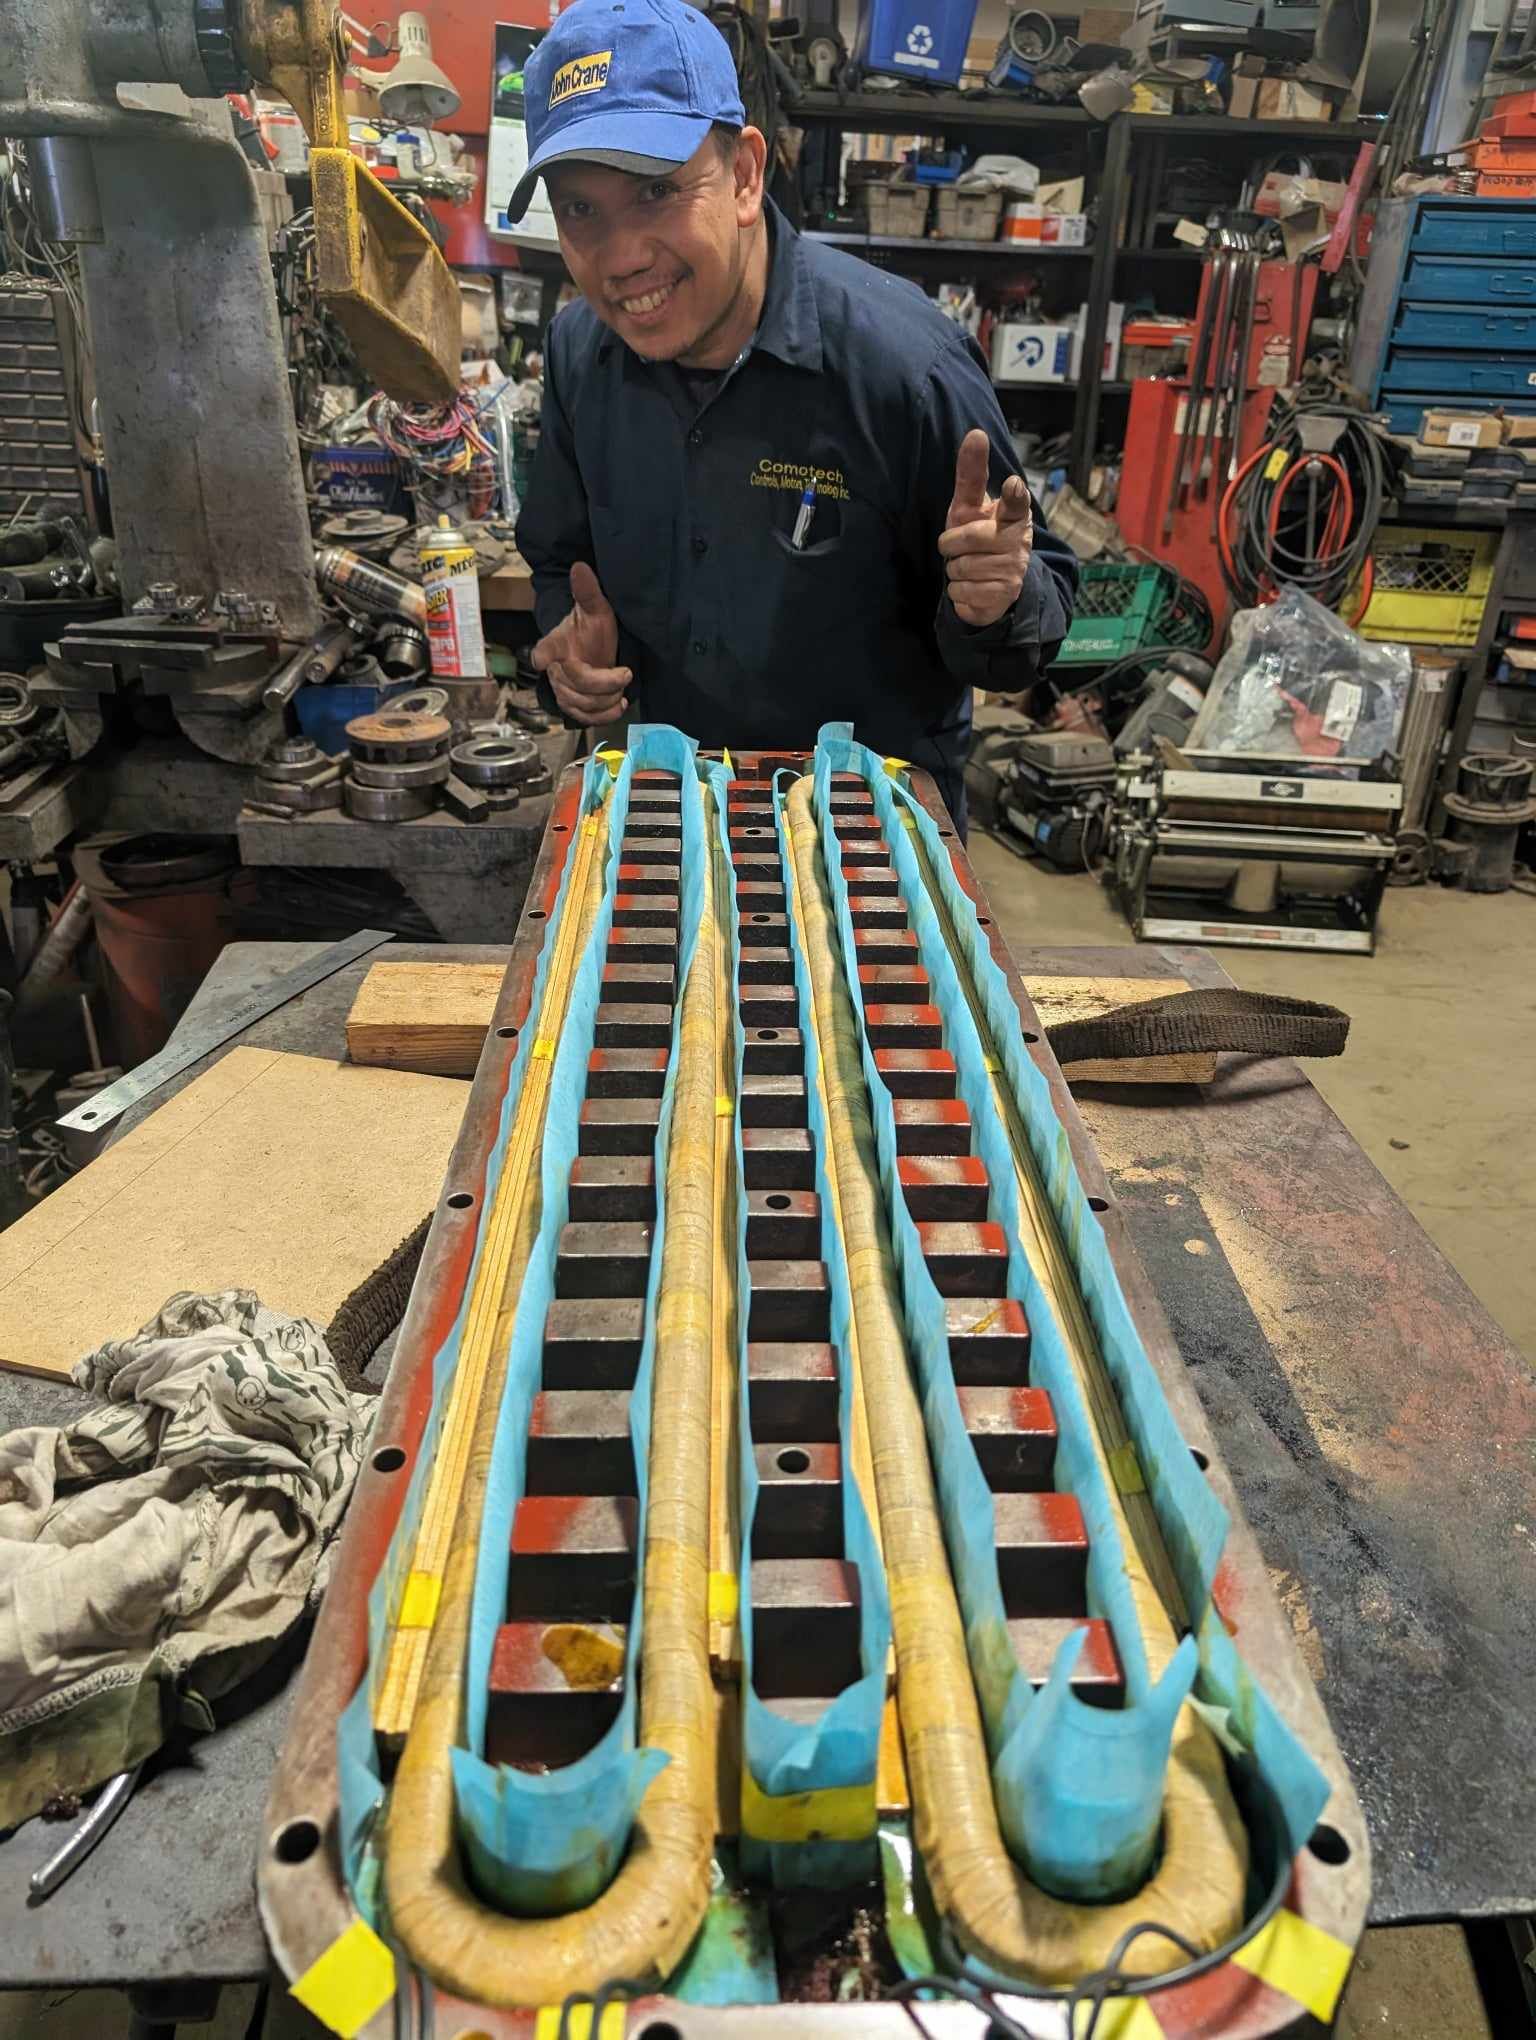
(296, 1841)
(461, 1200)
(388, 1459)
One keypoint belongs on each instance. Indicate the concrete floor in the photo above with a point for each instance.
(1439, 1087)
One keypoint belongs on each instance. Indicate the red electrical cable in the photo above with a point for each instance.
(1341, 508)
(1229, 496)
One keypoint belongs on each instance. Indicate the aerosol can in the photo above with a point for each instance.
(455, 633)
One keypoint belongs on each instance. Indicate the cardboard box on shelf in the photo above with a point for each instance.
(1518, 431)
(1243, 104)
(1294, 99)
(1030, 351)
(1064, 196)
(1064, 230)
(1461, 428)
(1021, 220)
(1105, 25)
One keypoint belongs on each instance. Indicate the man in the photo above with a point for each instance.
(774, 487)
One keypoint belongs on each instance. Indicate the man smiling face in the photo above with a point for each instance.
(671, 261)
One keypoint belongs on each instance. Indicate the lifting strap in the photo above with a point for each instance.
(1195, 1023)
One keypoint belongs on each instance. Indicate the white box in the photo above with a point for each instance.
(1064, 230)
(1114, 327)
(1023, 351)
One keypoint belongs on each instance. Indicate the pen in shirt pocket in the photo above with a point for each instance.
(802, 529)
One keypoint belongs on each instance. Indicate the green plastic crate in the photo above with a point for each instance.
(1124, 608)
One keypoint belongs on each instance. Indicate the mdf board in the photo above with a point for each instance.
(1084, 998)
(424, 1016)
(284, 1174)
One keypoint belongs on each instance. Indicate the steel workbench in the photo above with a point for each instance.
(1378, 1424)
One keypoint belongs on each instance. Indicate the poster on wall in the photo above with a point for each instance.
(507, 153)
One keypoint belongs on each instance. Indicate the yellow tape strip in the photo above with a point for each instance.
(1276, 465)
(837, 1813)
(352, 1980)
(991, 1064)
(418, 1604)
(544, 1048)
(613, 758)
(578, 2023)
(724, 1596)
(1126, 1469)
(725, 760)
(723, 1107)
(1301, 1961)
(896, 766)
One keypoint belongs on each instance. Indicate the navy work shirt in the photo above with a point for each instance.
(682, 491)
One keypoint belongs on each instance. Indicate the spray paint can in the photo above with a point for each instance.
(368, 585)
(455, 634)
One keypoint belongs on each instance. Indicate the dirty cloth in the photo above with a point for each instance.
(154, 1551)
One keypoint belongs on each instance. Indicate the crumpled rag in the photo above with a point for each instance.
(155, 1550)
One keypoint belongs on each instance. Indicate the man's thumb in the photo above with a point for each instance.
(1013, 504)
(970, 495)
(586, 591)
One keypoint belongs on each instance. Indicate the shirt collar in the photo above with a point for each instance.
(790, 326)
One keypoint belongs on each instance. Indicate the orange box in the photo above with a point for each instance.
(1503, 127)
(1515, 159)
(1492, 186)
(1516, 106)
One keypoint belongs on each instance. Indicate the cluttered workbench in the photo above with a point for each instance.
(1376, 1423)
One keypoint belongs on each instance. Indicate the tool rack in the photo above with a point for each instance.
(573, 1549)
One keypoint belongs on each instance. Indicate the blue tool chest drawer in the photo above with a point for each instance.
(1501, 330)
(1499, 226)
(1460, 375)
(1448, 315)
(1435, 281)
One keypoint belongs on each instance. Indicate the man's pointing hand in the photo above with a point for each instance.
(986, 541)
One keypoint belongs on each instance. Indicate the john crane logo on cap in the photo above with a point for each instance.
(581, 74)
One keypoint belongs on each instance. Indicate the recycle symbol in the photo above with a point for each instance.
(920, 39)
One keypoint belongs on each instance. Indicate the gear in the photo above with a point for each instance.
(390, 738)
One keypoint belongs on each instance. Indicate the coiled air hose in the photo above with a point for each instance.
(640, 1926)
(994, 1912)
(1298, 516)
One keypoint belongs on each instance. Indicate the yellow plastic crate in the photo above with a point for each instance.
(1430, 586)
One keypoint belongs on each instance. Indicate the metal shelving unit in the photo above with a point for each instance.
(1134, 155)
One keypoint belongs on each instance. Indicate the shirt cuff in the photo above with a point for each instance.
(1016, 627)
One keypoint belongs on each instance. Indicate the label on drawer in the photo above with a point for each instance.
(1462, 433)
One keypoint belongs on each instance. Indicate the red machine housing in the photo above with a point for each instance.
(1153, 438)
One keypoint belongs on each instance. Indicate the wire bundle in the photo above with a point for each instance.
(441, 447)
(1295, 516)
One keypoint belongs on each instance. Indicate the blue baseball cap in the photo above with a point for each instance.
(633, 84)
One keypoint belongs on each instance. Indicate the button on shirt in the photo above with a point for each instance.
(683, 491)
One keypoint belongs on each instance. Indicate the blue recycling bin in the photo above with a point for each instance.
(922, 40)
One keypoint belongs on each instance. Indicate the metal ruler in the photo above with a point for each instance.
(211, 1031)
